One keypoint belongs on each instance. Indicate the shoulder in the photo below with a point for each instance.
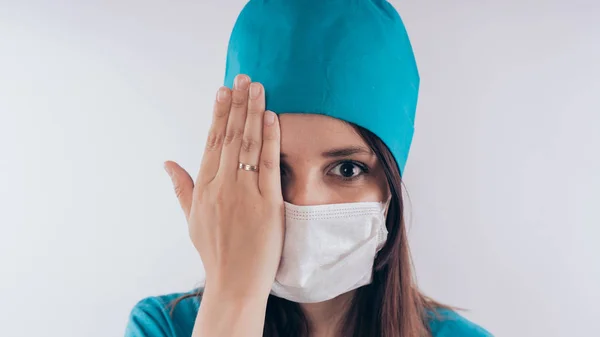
(448, 323)
(157, 316)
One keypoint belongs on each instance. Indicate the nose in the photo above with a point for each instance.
(306, 191)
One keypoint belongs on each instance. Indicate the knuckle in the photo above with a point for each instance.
(268, 164)
(249, 144)
(178, 190)
(232, 135)
(221, 110)
(238, 101)
(253, 111)
(270, 136)
(214, 141)
(220, 198)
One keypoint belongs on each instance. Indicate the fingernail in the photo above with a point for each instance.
(269, 117)
(241, 82)
(254, 90)
(222, 94)
(169, 171)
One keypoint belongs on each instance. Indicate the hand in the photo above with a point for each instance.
(236, 217)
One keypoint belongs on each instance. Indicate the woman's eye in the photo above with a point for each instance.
(282, 170)
(347, 170)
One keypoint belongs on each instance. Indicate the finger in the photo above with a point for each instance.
(235, 128)
(183, 185)
(216, 134)
(269, 177)
(252, 140)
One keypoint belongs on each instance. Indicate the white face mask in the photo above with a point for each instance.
(329, 249)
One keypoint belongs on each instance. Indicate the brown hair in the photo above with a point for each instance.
(392, 305)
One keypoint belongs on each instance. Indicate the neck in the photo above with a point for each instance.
(324, 318)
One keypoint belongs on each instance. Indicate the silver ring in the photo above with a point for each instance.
(247, 167)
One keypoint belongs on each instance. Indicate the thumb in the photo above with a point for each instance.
(183, 185)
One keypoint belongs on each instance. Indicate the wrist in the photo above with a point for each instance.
(236, 296)
(223, 313)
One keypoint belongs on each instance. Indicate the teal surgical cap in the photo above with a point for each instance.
(348, 59)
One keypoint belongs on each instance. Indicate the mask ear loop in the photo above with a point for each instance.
(383, 232)
(387, 205)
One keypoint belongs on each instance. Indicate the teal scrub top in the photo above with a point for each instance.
(151, 318)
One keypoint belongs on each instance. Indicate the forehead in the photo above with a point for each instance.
(308, 132)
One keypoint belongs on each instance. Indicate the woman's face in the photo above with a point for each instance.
(325, 161)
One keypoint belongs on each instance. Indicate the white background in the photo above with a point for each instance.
(503, 176)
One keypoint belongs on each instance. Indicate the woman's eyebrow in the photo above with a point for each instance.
(341, 152)
(346, 151)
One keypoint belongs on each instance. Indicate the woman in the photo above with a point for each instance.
(298, 218)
